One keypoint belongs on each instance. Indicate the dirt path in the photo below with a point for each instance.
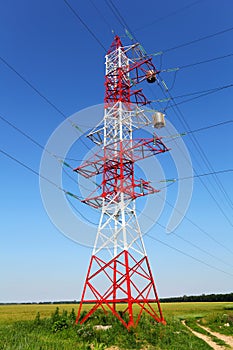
(227, 338)
(207, 339)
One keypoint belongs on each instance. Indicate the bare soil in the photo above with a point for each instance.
(227, 338)
(207, 339)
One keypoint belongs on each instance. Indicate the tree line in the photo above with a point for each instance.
(199, 298)
(185, 298)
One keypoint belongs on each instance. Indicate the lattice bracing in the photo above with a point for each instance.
(119, 270)
(123, 278)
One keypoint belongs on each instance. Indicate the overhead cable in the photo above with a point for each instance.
(205, 61)
(181, 9)
(188, 241)
(197, 40)
(196, 143)
(212, 91)
(195, 176)
(188, 255)
(124, 24)
(84, 24)
(45, 99)
(72, 195)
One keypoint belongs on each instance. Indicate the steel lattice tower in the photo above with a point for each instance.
(119, 270)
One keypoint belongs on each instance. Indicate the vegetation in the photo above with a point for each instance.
(200, 298)
(194, 325)
(220, 322)
(191, 298)
(43, 328)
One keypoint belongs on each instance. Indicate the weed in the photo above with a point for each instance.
(59, 331)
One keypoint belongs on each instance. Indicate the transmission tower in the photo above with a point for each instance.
(119, 270)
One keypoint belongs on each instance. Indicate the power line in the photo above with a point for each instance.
(41, 94)
(188, 255)
(22, 133)
(101, 15)
(175, 234)
(208, 166)
(210, 193)
(33, 87)
(123, 22)
(30, 169)
(199, 228)
(187, 241)
(209, 127)
(202, 95)
(30, 138)
(69, 193)
(116, 13)
(200, 150)
(184, 133)
(195, 176)
(45, 99)
(201, 249)
(207, 174)
(84, 24)
(197, 40)
(80, 213)
(195, 225)
(181, 117)
(180, 251)
(186, 7)
(222, 188)
(38, 174)
(119, 17)
(177, 69)
(205, 61)
(58, 158)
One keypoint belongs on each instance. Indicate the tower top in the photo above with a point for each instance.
(115, 44)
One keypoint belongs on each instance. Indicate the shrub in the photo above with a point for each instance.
(59, 325)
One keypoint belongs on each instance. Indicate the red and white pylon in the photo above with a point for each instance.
(119, 270)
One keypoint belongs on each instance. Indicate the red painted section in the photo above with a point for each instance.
(118, 84)
(122, 274)
(117, 169)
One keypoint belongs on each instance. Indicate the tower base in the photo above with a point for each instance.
(123, 286)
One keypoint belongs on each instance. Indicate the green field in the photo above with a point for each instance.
(21, 327)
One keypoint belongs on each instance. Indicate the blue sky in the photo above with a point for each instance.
(49, 46)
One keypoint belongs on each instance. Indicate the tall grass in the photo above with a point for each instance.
(59, 332)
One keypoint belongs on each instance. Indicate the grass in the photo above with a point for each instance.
(32, 327)
(12, 313)
(219, 322)
(193, 324)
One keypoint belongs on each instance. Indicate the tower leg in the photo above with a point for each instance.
(129, 283)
